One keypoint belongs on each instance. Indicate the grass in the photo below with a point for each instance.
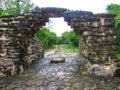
(64, 49)
(49, 48)
(69, 48)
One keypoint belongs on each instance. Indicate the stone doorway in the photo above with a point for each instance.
(99, 44)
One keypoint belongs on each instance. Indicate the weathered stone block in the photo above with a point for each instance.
(58, 60)
(107, 22)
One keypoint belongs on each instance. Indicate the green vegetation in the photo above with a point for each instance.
(11, 7)
(115, 9)
(71, 38)
(48, 38)
(66, 50)
(69, 48)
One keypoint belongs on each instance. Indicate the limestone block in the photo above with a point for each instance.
(57, 60)
(93, 24)
(107, 22)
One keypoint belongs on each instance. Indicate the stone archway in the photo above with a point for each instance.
(98, 46)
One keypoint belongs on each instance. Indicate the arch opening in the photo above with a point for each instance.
(56, 32)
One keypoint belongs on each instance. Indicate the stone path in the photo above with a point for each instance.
(48, 76)
(45, 75)
(61, 76)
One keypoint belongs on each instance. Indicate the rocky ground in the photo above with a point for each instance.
(58, 71)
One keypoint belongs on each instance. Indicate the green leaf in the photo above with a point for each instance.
(118, 55)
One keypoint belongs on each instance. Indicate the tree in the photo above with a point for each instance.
(46, 36)
(115, 9)
(71, 38)
(10, 7)
(64, 37)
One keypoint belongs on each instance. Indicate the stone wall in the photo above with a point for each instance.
(17, 49)
(99, 43)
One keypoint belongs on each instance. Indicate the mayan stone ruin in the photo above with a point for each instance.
(18, 50)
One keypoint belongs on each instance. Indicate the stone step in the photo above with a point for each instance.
(58, 60)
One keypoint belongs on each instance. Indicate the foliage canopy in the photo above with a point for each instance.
(70, 37)
(115, 9)
(10, 7)
(46, 36)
